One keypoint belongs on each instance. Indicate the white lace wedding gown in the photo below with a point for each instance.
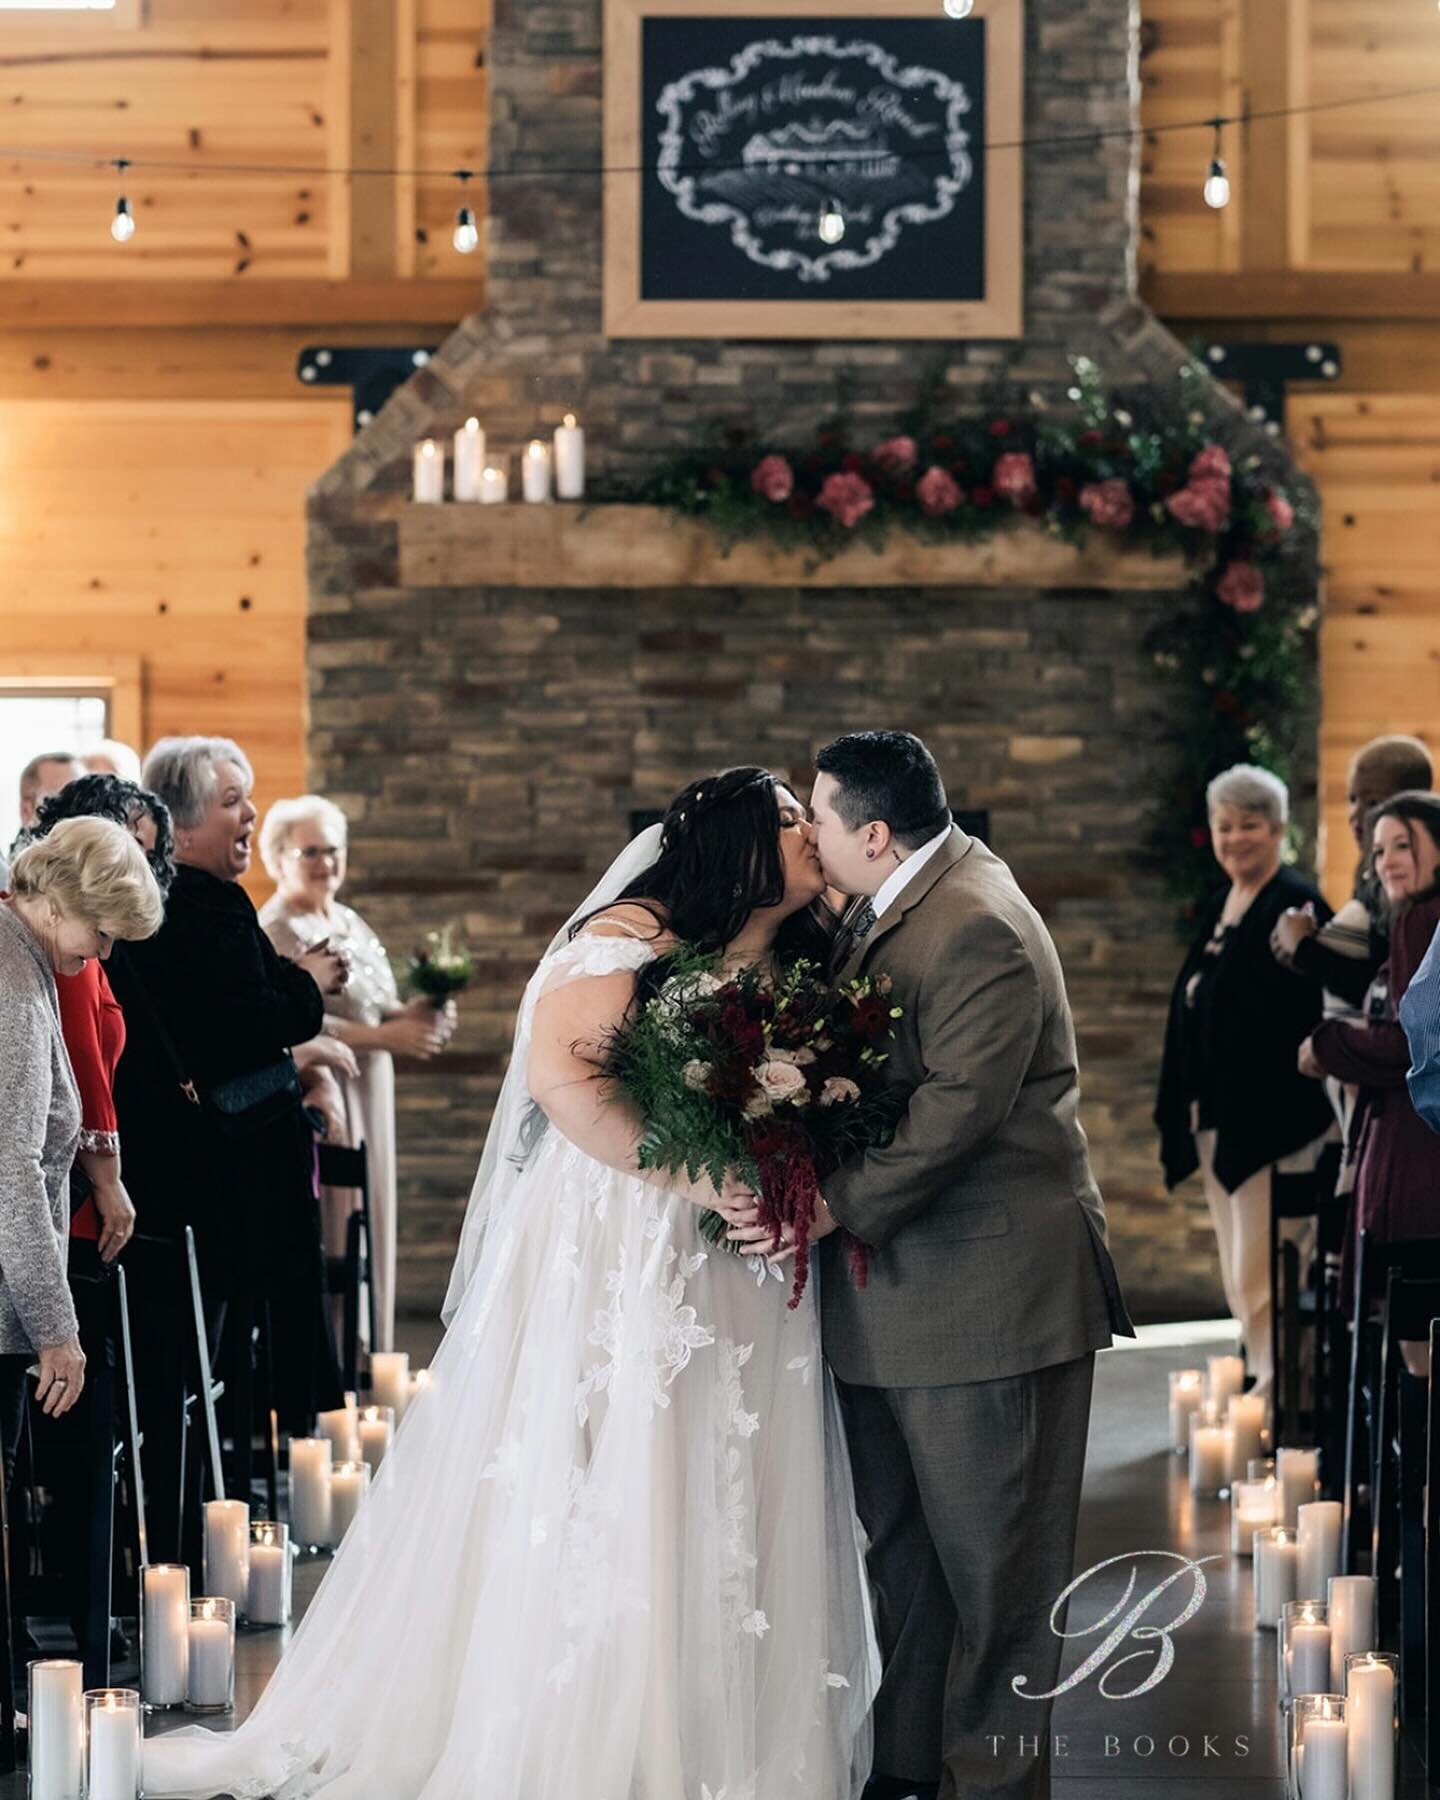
(612, 1554)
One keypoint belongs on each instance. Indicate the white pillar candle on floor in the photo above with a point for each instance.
(112, 1751)
(164, 1652)
(1186, 1393)
(1317, 1555)
(57, 1730)
(377, 1428)
(211, 1686)
(1309, 1658)
(1326, 1757)
(535, 470)
(389, 1385)
(1370, 1716)
(341, 1426)
(1245, 1415)
(429, 471)
(1297, 1472)
(269, 1602)
(1252, 1508)
(569, 460)
(494, 484)
(1225, 1375)
(227, 1549)
(1209, 1456)
(469, 460)
(1274, 1575)
(1352, 1622)
(349, 1483)
(310, 1463)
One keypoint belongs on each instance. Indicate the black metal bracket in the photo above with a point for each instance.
(1266, 370)
(373, 371)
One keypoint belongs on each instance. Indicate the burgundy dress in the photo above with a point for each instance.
(1395, 1153)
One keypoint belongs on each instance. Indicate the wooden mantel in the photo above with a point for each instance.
(576, 546)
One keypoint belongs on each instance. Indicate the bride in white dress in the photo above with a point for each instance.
(612, 1554)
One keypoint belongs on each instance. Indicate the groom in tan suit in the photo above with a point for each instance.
(965, 1363)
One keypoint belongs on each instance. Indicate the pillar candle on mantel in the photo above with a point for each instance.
(1326, 1748)
(1298, 1472)
(227, 1550)
(1245, 1415)
(535, 471)
(469, 460)
(1370, 1689)
(389, 1385)
(1186, 1393)
(429, 472)
(569, 460)
(1274, 1575)
(1352, 1622)
(310, 1463)
(57, 1730)
(1317, 1555)
(1225, 1375)
(494, 484)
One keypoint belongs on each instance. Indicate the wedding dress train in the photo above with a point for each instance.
(612, 1553)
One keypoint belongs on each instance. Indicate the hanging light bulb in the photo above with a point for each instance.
(1217, 182)
(467, 233)
(122, 226)
(832, 223)
(959, 9)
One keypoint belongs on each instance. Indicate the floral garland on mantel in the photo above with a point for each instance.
(1130, 466)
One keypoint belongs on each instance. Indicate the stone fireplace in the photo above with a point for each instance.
(491, 699)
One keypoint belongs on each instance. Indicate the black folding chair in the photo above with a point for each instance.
(1298, 1299)
(1431, 1739)
(351, 1274)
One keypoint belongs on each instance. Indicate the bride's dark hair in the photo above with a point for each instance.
(719, 862)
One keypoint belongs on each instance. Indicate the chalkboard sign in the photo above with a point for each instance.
(790, 172)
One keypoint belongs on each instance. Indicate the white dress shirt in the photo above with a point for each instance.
(898, 879)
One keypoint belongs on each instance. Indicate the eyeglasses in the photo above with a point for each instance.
(312, 853)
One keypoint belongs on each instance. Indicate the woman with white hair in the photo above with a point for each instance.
(1232, 1102)
(303, 845)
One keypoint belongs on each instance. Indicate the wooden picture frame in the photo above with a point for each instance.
(634, 160)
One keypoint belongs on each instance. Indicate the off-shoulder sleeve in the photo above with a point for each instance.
(592, 954)
(81, 1022)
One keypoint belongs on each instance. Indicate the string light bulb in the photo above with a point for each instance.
(1217, 182)
(832, 223)
(122, 226)
(466, 238)
(959, 9)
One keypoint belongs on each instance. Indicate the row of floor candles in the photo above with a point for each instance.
(1340, 1695)
(88, 1742)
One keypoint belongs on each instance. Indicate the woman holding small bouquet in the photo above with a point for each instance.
(614, 1550)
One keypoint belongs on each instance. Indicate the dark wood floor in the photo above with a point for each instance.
(1222, 1683)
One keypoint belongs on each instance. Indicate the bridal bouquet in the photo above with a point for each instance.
(781, 1083)
(438, 970)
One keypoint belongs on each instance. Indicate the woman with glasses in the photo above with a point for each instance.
(303, 845)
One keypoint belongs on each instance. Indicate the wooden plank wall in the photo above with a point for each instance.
(1349, 240)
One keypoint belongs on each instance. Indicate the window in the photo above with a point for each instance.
(42, 15)
(32, 723)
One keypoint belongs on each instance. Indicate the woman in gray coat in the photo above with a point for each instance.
(71, 895)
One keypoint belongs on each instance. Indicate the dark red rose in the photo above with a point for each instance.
(871, 1018)
(999, 428)
(1087, 440)
(852, 463)
(982, 497)
(800, 506)
(1065, 487)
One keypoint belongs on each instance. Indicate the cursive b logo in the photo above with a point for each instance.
(1124, 1618)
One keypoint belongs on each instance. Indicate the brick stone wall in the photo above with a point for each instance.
(489, 744)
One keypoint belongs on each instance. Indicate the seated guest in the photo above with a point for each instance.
(210, 1111)
(1396, 1157)
(303, 844)
(72, 895)
(111, 757)
(1231, 1101)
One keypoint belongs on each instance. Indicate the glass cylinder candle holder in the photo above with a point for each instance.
(389, 1385)
(1252, 1509)
(1245, 1415)
(1319, 1749)
(164, 1636)
(310, 1466)
(342, 1427)
(210, 1686)
(1372, 1701)
(1224, 1376)
(57, 1729)
(377, 1430)
(227, 1550)
(1186, 1393)
(1274, 1567)
(1317, 1556)
(1209, 1458)
(270, 1560)
(1298, 1473)
(349, 1484)
(112, 1744)
(1352, 1622)
(1304, 1645)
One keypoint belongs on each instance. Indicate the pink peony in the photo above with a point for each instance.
(1212, 464)
(1109, 503)
(938, 492)
(1203, 505)
(1282, 513)
(1014, 477)
(774, 479)
(896, 456)
(1242, 586)
(847, 497)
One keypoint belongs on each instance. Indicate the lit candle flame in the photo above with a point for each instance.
(428, 447)
(209, 1612)
(569, 421)
(472, 424)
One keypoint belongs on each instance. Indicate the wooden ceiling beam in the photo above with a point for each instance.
(182, 304)
(1295, 294)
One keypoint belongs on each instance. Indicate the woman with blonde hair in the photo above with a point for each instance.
(303, 845)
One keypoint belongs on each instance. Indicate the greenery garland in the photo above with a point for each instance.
(1133, 465)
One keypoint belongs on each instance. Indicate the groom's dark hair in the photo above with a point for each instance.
(890, 776)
